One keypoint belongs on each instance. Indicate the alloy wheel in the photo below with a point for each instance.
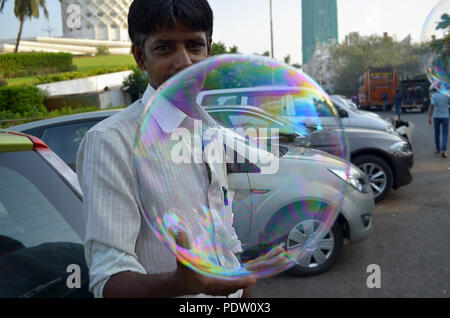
(377, 177)
(304, 231)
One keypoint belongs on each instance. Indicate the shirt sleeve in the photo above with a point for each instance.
(106, 262)
(110, 211)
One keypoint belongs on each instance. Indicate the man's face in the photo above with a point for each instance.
(169, 51)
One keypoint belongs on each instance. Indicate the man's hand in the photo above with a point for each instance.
(430, 121)
(193, 283)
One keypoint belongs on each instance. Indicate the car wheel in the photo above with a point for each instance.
(318, 260)
(379, 173)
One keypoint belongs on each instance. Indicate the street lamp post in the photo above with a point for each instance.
(271, 30)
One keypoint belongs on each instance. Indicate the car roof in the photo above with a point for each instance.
(12, 142)
(247, 108)
(63, 119)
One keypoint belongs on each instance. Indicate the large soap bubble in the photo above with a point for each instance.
(280, 199)
(435, 40)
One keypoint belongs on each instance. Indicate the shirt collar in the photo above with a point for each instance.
(165, 113)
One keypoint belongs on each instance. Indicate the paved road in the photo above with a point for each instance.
(410, 241)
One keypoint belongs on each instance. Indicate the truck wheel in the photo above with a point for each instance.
(379, 173)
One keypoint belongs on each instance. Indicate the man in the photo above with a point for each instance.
(439, 114)
(398, 103)
(124, 256)
(385, 98)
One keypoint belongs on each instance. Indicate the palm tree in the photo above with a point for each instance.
(26, 9)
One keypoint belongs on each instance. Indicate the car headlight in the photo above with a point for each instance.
(401, 147)
(389, 129)
(354, 177)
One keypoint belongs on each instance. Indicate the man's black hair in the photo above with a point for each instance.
(146, 16)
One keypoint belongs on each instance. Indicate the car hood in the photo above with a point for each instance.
(366, 113)
(354, 132)
(309, 154)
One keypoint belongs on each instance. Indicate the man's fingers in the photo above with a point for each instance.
(182, 240)
(224, 287)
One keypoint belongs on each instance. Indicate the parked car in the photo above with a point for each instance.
(41, 225)
(64, 134)
(385, 158)
(287, 103)
(265, 198)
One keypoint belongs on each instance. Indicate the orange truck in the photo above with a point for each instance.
(374, 83)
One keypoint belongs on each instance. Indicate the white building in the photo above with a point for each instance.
(104, 20)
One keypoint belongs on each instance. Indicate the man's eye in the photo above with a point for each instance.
(162, 48)
(197, 46)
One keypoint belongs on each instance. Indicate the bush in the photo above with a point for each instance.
(102, 50)
(21, 101)
(135, 84)
(29, 64)
(8, 119)
(3, 82)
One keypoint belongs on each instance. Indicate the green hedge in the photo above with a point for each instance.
(74, 75)
(21, 101)
(14, 120)
(28, 64)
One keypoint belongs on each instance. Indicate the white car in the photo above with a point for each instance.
(290, 103)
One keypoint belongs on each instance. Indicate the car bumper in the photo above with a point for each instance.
(357, 209)
(402, 170)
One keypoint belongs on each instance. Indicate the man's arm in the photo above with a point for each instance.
(182, 282)
(431, 113)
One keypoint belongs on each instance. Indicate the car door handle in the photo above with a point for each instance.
(260, 191)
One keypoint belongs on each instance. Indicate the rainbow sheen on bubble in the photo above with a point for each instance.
(435, 39)
(258, 124)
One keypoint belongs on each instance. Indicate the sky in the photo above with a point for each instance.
(245, 23)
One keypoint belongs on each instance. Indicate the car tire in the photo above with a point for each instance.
(309, 265)
(372, 166)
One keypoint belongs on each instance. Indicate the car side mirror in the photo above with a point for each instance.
(342, 113)
(247, 167)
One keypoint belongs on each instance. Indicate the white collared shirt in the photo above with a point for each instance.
(118, 237)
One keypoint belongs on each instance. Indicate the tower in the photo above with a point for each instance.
(96, 19)
(319, 25)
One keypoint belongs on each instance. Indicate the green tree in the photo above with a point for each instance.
(218, 48)
(26, 9)
(353, 57)
(442, 46)
(287, 59)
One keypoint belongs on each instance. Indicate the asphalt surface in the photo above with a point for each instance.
(410, 241)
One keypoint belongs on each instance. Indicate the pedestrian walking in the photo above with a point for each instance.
(398, 103)
(385, 98)
(439, 114)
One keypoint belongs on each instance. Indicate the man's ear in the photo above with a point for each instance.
(139, 56)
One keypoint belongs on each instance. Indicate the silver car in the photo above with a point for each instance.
(265, 202)
(291, 106)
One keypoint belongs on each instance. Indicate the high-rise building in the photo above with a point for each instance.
(96, 19)
(319, 25)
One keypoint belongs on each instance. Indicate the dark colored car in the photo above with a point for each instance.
(41, 250)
